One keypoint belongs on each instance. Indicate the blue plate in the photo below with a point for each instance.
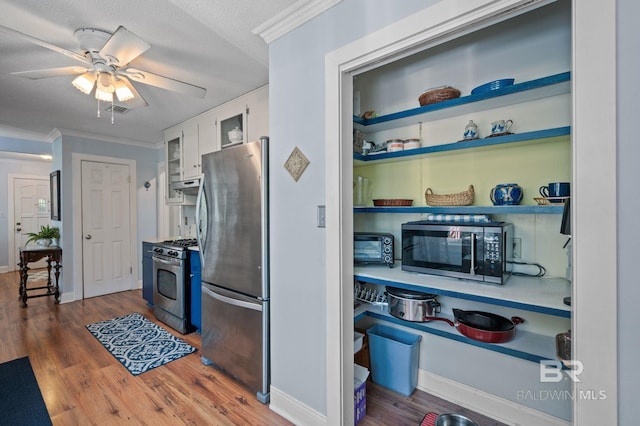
(493, 85)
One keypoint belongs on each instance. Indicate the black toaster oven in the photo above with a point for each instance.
(373, 248)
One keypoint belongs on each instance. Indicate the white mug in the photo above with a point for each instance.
(500, 126)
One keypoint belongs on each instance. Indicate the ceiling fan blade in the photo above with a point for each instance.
(51, 72)
(137, 101)
(166, 83)
(123, 47)
(42, 43)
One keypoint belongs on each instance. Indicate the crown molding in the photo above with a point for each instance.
(21, 156)
(87, 135)
(291, 18)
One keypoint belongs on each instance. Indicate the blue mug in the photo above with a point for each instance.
(556, 189)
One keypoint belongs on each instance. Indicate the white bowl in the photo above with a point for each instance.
(235, 135)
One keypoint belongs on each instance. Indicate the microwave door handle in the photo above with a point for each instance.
(472, 270)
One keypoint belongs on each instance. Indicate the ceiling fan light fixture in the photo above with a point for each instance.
(85, 82)
(104, 96)
(122, 91)
(105, 82)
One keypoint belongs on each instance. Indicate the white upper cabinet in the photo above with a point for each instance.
(173, 155)
(207, 137)
(258, 117)
(185, 143)
(248, 113)
(190, 149)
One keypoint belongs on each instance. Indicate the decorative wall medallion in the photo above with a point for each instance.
(296, 163)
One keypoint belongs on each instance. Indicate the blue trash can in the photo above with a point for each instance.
(394, 356)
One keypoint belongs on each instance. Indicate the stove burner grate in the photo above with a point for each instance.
(183, 242)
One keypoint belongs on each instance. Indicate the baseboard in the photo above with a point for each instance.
(497, 408)
(485, 403)
(4, 269)
(295, 411)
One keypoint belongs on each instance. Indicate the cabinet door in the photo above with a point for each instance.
(207, 134)
(147, 273)
(173, 156)
(196, 290)
(190, 150)
(231, 116)
(258, 116)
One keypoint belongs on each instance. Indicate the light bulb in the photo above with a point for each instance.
(85, 82)
(103, 96)
(122, 91)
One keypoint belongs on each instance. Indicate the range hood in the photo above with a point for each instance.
(189, 186)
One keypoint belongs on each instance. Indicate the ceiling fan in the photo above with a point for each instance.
(105, 71)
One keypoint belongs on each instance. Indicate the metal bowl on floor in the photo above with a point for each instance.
(452, 419)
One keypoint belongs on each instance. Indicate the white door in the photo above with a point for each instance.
(31, 211)
(106, 256)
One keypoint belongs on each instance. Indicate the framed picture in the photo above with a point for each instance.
(54, 185)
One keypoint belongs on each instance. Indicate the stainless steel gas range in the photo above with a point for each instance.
(171, 292)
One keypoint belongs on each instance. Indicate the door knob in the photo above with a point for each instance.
(88, 236)
(18, 229)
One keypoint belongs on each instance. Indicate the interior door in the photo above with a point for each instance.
(106, 213)
(31, 211)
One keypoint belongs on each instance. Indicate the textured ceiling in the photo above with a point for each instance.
(207, 43)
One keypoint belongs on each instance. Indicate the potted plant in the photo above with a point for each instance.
(45, 236)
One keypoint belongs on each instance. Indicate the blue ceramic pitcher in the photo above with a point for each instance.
(506, 194)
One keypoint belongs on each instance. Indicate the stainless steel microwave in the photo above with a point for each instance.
(481, 252)
(373, 248)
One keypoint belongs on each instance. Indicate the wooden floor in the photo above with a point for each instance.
(83, 384)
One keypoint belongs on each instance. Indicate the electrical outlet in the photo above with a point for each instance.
(517, 248)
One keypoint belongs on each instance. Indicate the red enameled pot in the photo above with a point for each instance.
(483, 326)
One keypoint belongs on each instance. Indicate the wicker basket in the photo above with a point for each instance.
(464, 198)
(438, 95)
(394, 202)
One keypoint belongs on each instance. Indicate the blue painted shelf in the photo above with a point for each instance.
(525, 345)
(538, 135)
(521, 92)
(541, 295)
(465, 209)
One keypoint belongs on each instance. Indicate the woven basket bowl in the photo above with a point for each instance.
(438, 95)
(464, 198)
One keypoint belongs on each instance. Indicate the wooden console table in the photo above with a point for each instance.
(33, 254)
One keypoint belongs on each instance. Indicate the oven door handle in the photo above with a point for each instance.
(166, 262)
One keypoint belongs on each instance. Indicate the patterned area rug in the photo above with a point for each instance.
(138, 343)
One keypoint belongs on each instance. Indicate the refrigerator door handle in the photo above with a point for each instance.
(198, 227)
(230, 301)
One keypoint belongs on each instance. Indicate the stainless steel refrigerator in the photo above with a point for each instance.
(232, 214)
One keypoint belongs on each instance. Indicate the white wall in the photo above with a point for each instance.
(296, 93)
(146, 215)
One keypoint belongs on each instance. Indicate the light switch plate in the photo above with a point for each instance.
(322, 222)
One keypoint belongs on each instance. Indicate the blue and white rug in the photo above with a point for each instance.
(138, 343)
